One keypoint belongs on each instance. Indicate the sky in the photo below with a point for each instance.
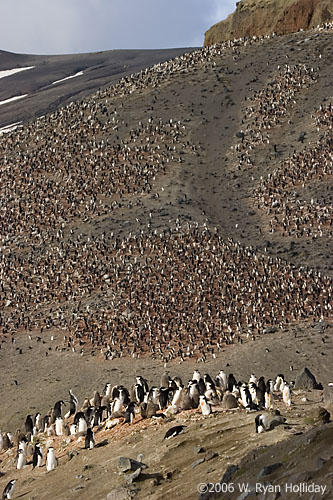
(74, 26)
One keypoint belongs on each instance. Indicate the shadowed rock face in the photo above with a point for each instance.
(264, 17)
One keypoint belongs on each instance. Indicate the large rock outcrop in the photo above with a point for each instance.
(263, 17)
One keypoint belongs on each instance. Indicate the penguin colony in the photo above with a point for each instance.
(288, 214)
(177, 293)
(119, 405)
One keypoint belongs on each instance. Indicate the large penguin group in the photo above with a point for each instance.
(118, 405)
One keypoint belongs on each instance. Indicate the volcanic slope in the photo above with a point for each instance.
(187, 142)
(168, 186)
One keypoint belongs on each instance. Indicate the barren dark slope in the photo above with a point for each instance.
(99, 69)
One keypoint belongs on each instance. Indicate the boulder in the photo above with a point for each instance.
(229, 401)
(305, 380)
(328, 394)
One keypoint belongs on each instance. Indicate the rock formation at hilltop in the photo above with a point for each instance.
(261, 17)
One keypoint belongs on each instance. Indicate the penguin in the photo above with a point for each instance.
(23, 446)
(96, 400)
(286, 395)
(194, 392)
(261, 384)
(73, 429)
(196, 375)
(231, 382)
(177, 397)
(45, 423)
(221, 381)
(89, 442)
(37, 423)
(59, 426)
(174, 431)
(130, 413)
(261, 423)
(278, 382)
(9, 490)
(57, 409)
(178, 381)
(107, 390)
(51, 460)
(73, 404)
(187, 402)
(143, 410)
(269, 395)
(153, 395)
(77, 417)
(245, 396)
(163, 397)
(143, 382)
(253, 392)
(165, 379)
(82, 425)
(6, 442)
(29, 424)
(138, 393)
(205, 407)
(37, 457)
(21, 459)
(209, 382)
(210, 392)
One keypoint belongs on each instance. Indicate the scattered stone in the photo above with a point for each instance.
(119, 493)
(229, 473)
(125, 464)
(328, 394)
(210, 455)
(132, 476)
(198, 462)
(268, 469)
(77, 488)
(323, 415)
(320, 462)
(305, 380)
(200, 450)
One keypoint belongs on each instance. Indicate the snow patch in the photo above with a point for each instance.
(10, 72)
(12, 99)
(80, 73)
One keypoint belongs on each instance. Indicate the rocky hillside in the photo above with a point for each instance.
(262, 17)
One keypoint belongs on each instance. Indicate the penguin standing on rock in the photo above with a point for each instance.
(9, 489)
(37, 456)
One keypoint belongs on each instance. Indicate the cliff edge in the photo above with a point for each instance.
(263, 17)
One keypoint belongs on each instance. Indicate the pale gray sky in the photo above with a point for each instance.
(71, 26)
